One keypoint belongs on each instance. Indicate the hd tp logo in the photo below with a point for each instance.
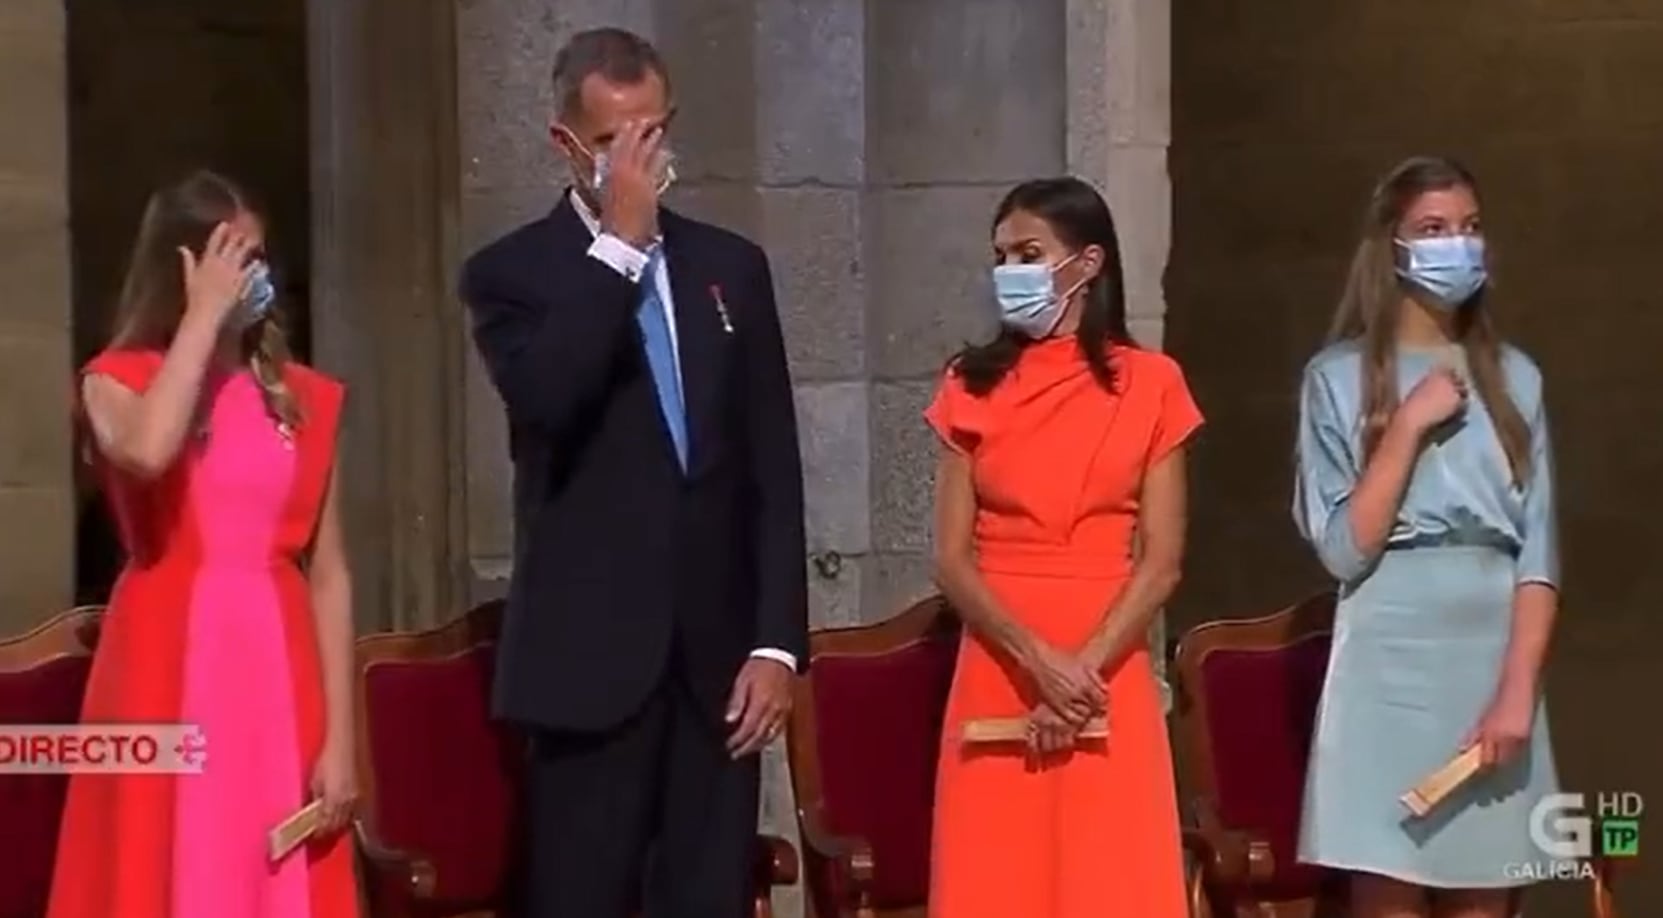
(1571, 838)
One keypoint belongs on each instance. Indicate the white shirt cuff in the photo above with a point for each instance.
(777, 655)
(619, 255)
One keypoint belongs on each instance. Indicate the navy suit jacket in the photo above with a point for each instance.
(621, 558)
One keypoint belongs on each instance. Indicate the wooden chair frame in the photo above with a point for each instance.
(73, 633)
(776, 860)
(1229, 855)
(925, 619)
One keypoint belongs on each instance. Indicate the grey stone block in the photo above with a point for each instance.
(834, 599)
(832, 421)
(504, 100)
(895, 581)
(41, 20)
(37, 566)
(1088, 87)
(965, 90)
(811, 92)
(730, 205)
(1150, 333)
(929, 255)
(813, 238)
(904, 451)
(505, 55)
(35, 443)
(34, 107)
(489, 213)
(1139, 191)
(709, 50)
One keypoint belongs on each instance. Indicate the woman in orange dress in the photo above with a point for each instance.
(233, 613)
(1062, 440)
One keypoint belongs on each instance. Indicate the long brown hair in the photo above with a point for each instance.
(1080, 217)
(152, 300)
(1371, 305)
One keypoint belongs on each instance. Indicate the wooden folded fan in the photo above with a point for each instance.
(292, 831)
(1423, 797)
(1015, 730)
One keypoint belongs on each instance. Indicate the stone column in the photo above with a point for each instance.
(1119, 128)
(37, 490)
(386, 322)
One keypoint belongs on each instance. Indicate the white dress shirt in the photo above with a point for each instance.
(632, 263)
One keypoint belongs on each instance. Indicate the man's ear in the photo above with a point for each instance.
(562, 137)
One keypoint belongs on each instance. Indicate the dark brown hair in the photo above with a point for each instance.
(1372, 303)
(1080, 218)
(617, 55)
(152, 301)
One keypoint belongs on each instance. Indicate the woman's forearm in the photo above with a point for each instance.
(146, 438)
(332, 609)
(1373, 505)
(980, 610)
(1126, 624)
(1535, 606)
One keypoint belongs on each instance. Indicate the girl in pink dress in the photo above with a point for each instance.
(233, 612)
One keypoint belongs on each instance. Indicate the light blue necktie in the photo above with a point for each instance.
(661, 356)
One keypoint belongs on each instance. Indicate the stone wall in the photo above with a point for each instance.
(37, 493)
(1284, 116)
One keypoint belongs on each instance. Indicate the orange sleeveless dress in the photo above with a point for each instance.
(1058, 464)
(211, 625)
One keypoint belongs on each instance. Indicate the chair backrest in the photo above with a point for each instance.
(1248, 693)
(43, 675)
(438, 777)
(864, 741)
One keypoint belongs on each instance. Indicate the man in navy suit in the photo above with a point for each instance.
(657, 610)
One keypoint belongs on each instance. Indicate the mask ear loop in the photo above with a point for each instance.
(1072, 290)
(1064, 298)
(594, 161)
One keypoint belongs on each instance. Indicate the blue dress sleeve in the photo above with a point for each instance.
(1539, 548)
(1327, 473)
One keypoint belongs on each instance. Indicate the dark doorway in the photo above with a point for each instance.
(156, 90)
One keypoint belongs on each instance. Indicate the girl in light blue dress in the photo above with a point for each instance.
(1425, 484)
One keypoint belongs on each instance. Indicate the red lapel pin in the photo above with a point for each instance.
(721, 308)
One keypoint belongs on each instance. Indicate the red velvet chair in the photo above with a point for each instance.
(441, 782)
(1247, 699)
(863, 742)
(43, 675)
(1247, 692)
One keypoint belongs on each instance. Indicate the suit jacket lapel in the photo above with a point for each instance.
(566, 228)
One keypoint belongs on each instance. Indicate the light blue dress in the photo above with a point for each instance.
(1421, 631)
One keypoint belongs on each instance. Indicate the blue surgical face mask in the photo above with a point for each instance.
(257, 296)
(603, 166)
(1450, 268)
(1027, 295)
